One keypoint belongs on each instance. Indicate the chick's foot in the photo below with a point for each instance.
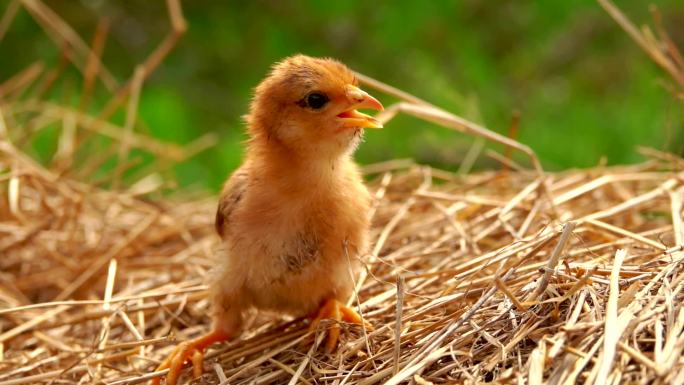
(335, 310)
(192, 350)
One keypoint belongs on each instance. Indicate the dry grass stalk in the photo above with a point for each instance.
(659, 46)
(454, 257)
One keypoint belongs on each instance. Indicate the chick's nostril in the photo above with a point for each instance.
(355, 94)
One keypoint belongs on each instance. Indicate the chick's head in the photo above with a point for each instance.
(309, 106)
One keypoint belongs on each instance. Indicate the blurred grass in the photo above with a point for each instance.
(582, 87)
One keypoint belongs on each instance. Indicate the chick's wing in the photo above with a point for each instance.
(231, 195)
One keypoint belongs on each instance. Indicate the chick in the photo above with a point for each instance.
(294, 217)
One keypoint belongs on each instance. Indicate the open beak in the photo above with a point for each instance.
(359, 99)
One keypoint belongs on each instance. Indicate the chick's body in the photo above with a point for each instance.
(294, 217)
(292, 237)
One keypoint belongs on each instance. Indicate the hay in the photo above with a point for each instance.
(507, 277)
(93, 282)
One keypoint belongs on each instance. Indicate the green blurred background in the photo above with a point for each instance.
(583, 89)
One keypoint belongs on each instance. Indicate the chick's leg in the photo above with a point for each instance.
(227, 319)
(192, 350)
(334, 309)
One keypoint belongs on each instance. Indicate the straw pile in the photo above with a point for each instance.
(510, 276)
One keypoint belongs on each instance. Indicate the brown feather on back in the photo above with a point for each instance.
(231, 196)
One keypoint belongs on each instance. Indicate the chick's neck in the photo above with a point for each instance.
(280, 165)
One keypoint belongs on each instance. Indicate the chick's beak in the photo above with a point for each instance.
(359, 99)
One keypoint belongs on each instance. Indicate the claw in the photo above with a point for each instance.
(197, 361)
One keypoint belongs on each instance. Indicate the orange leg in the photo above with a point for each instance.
(192, 350)
(334, 309)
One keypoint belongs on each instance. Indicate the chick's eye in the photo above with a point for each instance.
(316, 100)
